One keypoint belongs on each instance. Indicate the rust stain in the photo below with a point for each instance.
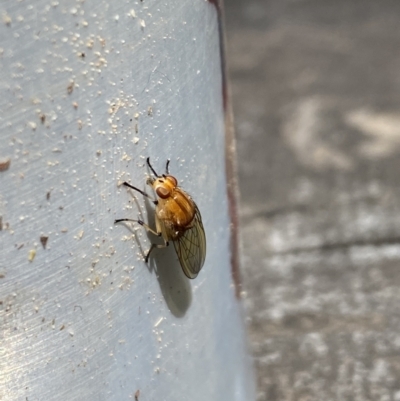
(218, 4)
(230, 155)
(233, 194)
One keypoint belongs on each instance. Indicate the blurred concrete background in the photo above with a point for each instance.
(316, 95)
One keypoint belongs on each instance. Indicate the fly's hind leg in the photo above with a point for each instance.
(166, 243)
(149, 229)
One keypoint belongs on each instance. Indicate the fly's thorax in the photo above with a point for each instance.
(178, 210)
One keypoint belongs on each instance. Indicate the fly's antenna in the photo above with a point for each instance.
(151, 167)
(167, 167)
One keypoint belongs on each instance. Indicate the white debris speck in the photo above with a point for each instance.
(32, 254)
(32, 125)
(79, 236)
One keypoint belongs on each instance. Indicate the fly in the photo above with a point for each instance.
(177, 219)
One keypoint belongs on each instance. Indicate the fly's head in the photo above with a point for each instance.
(164, 185)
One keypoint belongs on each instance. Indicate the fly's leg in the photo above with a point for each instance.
(166, 243)
(149, 229)
(142, 223)
(126, 184)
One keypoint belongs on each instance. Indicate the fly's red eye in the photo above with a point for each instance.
(173, 180)
(163, 192)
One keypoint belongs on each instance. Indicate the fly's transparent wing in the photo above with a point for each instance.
(191, 247)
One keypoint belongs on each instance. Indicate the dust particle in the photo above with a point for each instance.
(43, 240)
(70, 87)
(31, 255)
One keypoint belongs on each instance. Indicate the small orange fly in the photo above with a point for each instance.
(177, 219)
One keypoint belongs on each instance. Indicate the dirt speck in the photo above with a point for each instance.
(5, 164)
(7, 19)
(70, 87)
(43, 240)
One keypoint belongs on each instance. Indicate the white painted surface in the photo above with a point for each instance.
(86, 319)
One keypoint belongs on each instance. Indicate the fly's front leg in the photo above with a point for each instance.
(126, 184)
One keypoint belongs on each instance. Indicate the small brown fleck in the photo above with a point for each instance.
(42, 118)
(48, 195)
(43, 240)
(70, 87)
(62, 327)
(150, 111)
(137, 394)
(5, 164)
(1, 223)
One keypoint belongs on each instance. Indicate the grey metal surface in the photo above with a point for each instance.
(89, 90)
(316, 100)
